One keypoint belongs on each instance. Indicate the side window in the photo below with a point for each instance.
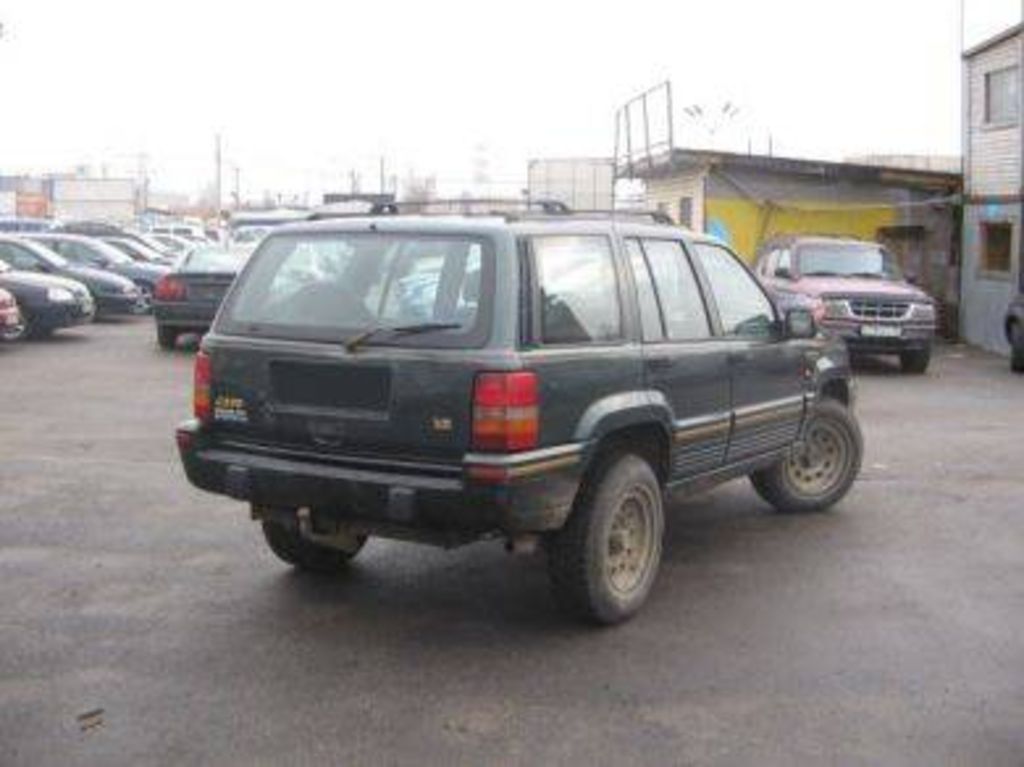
(17, 258)
(678, 293)
(578, 290)
(743, 307)
(650, 313)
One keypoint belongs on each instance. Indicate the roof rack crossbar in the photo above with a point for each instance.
(491, 207)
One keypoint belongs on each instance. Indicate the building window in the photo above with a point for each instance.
(686, 212)
(1001, 99)
(996, 247)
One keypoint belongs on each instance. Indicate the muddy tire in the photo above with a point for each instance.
(289, 546)
(603, 562)
(916, 361)
(818, 476)
(1017, 348)
(166, 337)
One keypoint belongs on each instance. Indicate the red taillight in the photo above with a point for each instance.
(506, 413)
(169, 289)
(202, 407)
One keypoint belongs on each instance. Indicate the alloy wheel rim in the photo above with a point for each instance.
(820, 465)
(630, 542)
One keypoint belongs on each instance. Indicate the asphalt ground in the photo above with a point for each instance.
(145, 622)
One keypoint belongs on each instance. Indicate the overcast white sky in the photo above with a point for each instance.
(302, 91)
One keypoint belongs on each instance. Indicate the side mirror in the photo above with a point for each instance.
(911, 279)
(800, 323)
(783, 273)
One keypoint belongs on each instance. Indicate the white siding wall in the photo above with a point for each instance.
(665, 193)
(993, 152)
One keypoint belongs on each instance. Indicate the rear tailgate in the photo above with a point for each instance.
(397, 404)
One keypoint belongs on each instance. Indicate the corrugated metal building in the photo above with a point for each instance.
(746, 199)
(993, 137)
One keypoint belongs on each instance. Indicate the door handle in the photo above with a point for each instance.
(658, 363)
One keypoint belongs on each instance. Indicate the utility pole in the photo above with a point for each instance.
(217, 178)
(382, 176)
(238, 187)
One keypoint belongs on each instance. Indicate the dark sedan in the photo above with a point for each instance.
(111, 293)
(94, 253)
(47, 303)
(1015, 333)
(187, 299)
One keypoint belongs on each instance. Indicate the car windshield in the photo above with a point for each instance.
(49, 256)
(110, 253)
(847, 259)
(338, 286)
(214, 261)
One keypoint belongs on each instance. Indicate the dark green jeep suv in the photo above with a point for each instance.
(543, 378)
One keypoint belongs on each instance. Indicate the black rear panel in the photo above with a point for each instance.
(326, 385)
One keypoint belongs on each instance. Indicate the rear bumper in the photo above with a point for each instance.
(526, 492)
(184, 315)
(913, 337)
(127, 303)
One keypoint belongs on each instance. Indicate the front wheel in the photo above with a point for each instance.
(1017, 348)
(603, 562)
(290, 546)
(915, 361)
(820, 472)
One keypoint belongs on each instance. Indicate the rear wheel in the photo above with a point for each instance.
(166, 337)
(1017, 347)
(820, 473)
(915, 361)
(290, 546)
(603, 562)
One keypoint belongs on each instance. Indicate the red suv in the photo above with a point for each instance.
(855, 290)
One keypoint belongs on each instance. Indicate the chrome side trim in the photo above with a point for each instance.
(509, 460)
(701, 427)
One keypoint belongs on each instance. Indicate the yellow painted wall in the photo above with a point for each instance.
(741, 222)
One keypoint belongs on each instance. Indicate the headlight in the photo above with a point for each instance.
(836, 308)
(923, 313)
(60, 295)
(129, 289)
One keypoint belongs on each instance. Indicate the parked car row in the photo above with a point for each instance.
(54, 280)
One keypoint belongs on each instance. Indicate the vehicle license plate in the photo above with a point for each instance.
(881, 331)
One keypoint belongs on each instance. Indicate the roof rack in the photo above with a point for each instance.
(512, 209)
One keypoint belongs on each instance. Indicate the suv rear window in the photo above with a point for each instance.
(335, 286)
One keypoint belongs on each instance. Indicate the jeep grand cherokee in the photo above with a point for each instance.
(541, 378)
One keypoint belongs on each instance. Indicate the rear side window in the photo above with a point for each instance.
(650, 313)
(579, 294)
(409, 289)
(742, 306)
(681, 303)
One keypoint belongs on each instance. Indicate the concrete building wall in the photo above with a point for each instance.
(993, 150)
(993, 194)
(666, 194)
(107, 199)
(986, 295)
(582, 183)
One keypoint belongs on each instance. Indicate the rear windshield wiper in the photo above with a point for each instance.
(869, 275)
(359, 339)
(821, 274)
